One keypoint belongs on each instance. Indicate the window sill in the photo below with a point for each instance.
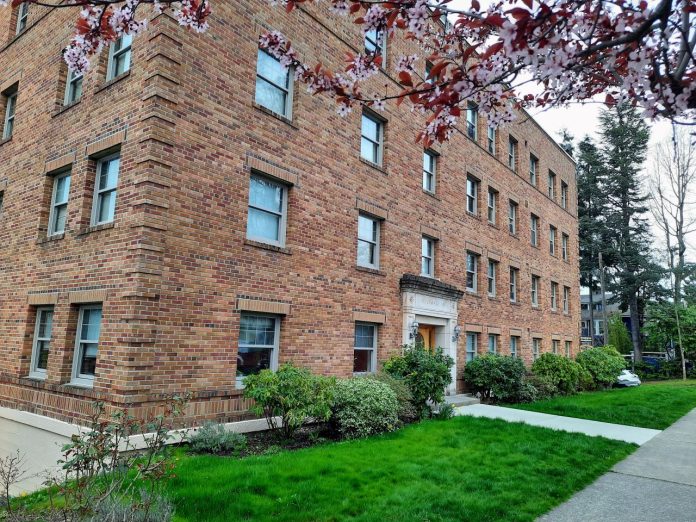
(43, 239)
(113, 81)
(65, 108)
(431, 194)
(494, 225)
(515, 303)
(275, 115)
(95, 228)
(375, 271)
(35, 377)
(268, 246)
(374, 165)
(493, 298)
(515, 236)
(472, 293)
(473, 215)
(5, 140)
(79, 385)
(536, 308)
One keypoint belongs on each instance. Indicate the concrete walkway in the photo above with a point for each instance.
(556, 422)
(656, 483)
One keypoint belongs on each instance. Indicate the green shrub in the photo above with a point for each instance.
(364, 406)
(214, 438)
(495, 377)
(585, 382)
(562, 372)
(291, 393)
(619, 337)
(603, 363)
(407, 410)
(445, 412)
(540, 387)
(426, 373)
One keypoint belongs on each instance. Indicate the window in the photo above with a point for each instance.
(534, 230)
(552, 240)
(365, 351)
(2, 200)
(371, 139)
(427, 257)
(512, 218)
(533, 167)
(535, 290)
(22, 17)
(554, 296)
(492, 275)
(73, 87)
(536, 348)
(555, 346)
(86, 345)
(374, 42)
(429, 168)
(568, 348)
(491, 140)
(472, 195)
(59, 204)
(492, 205)
(471, 345)
(426, 75)
(104, 208)
(552, 185)
(513, 284)
(119, 56)
(42, 343)
(564, 194)
(258, 344)
(273, 85)
(492, 343)
(267, 210)
(564, 246)
(472, 121)
(514, 342)
(512, 153)
(585, 306)
(368, 241)
(566, 299)
(471, 272)
(10, 107)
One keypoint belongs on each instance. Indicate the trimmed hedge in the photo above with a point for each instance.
(603, 363)
(561, 372)
(364, 406)
(495, 378)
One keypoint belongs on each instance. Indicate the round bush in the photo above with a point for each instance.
(538, 388)
(364, 406)
(214, 438)
(495, 377)
(562, 372)
(603, 363)
(408, 412)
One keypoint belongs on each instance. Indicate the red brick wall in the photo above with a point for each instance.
(176, 261)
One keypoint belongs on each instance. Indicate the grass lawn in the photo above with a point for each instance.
(652, 405)
(461, 469)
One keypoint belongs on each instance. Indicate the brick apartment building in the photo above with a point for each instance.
(185, 214)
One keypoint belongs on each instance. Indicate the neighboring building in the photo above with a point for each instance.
(185, 214)
(586, 333)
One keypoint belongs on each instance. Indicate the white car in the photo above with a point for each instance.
(627, 378)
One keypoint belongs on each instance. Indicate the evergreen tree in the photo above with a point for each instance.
(625, 138)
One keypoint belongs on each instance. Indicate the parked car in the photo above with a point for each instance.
(627, 378)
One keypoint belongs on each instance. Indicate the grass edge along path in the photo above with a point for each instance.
(461, 469)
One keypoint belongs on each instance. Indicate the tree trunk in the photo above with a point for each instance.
(635, 329)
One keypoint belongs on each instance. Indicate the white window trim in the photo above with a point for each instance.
(72, 79)
(564, 246)
(552, 240)
(534, 230)
(536, 348)
(512, 218)
(473, 289)
(564, 194)
(113, 55)
(472, 121)
(554, 296)
(552, 185)
(491, 140)
(283, 216)
(535, 290)
(494, 338)
(10, 110)
(22, 16)
(98, 192)
(34, 372)
(52, 214)
(568, 348)
(492, 210)
(492, 277)
(289, 90)
(374, 265)
(380, 139)
(428, 174)
(513, 284)
(275, 348)
(373, 355)
(380, 43)
(533, 168)
(512, 154)
(514, 341)
(555, 346)
(77, 378)
(566, 300)
(474, 353)
(474, 183)
(431, 242)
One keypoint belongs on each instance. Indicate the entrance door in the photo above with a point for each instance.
(426, 336)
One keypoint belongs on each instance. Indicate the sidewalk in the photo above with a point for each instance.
(556, 422)
(656, 483)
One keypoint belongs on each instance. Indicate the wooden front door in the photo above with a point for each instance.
(426, 336)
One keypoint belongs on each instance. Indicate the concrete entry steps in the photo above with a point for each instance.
(461, 399)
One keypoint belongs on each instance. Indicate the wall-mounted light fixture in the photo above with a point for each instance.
(457, 333)
(414, 329)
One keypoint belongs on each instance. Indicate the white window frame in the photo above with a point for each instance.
(514, 274)
(34, 372)
(536, 348)
(492, 276)
(566, 300)
(282, 223)
(512, 217)
(71, 82)
(79, 379)
(472, 121)
(564, 194)
(53, 214)
(373, 350)
(554, 296)
(533, 169)
(275, 347)
(430, 242)
(288, 89)
(98, 193)
(535, 290)
(555, 346)
(492, 205)
(552, 240)
(564, 246)
(114, 55)
(375, 242)
(472, 184)
(380, 138)
(514, 343)
(10, 110)
(568, 348)
(512, 153)
(534, 230)
(430, 172)
(492, 343)
(471, 257)
(22, 17)
(470, 354)
(379, 42)
(552, 185)
(491, 140)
